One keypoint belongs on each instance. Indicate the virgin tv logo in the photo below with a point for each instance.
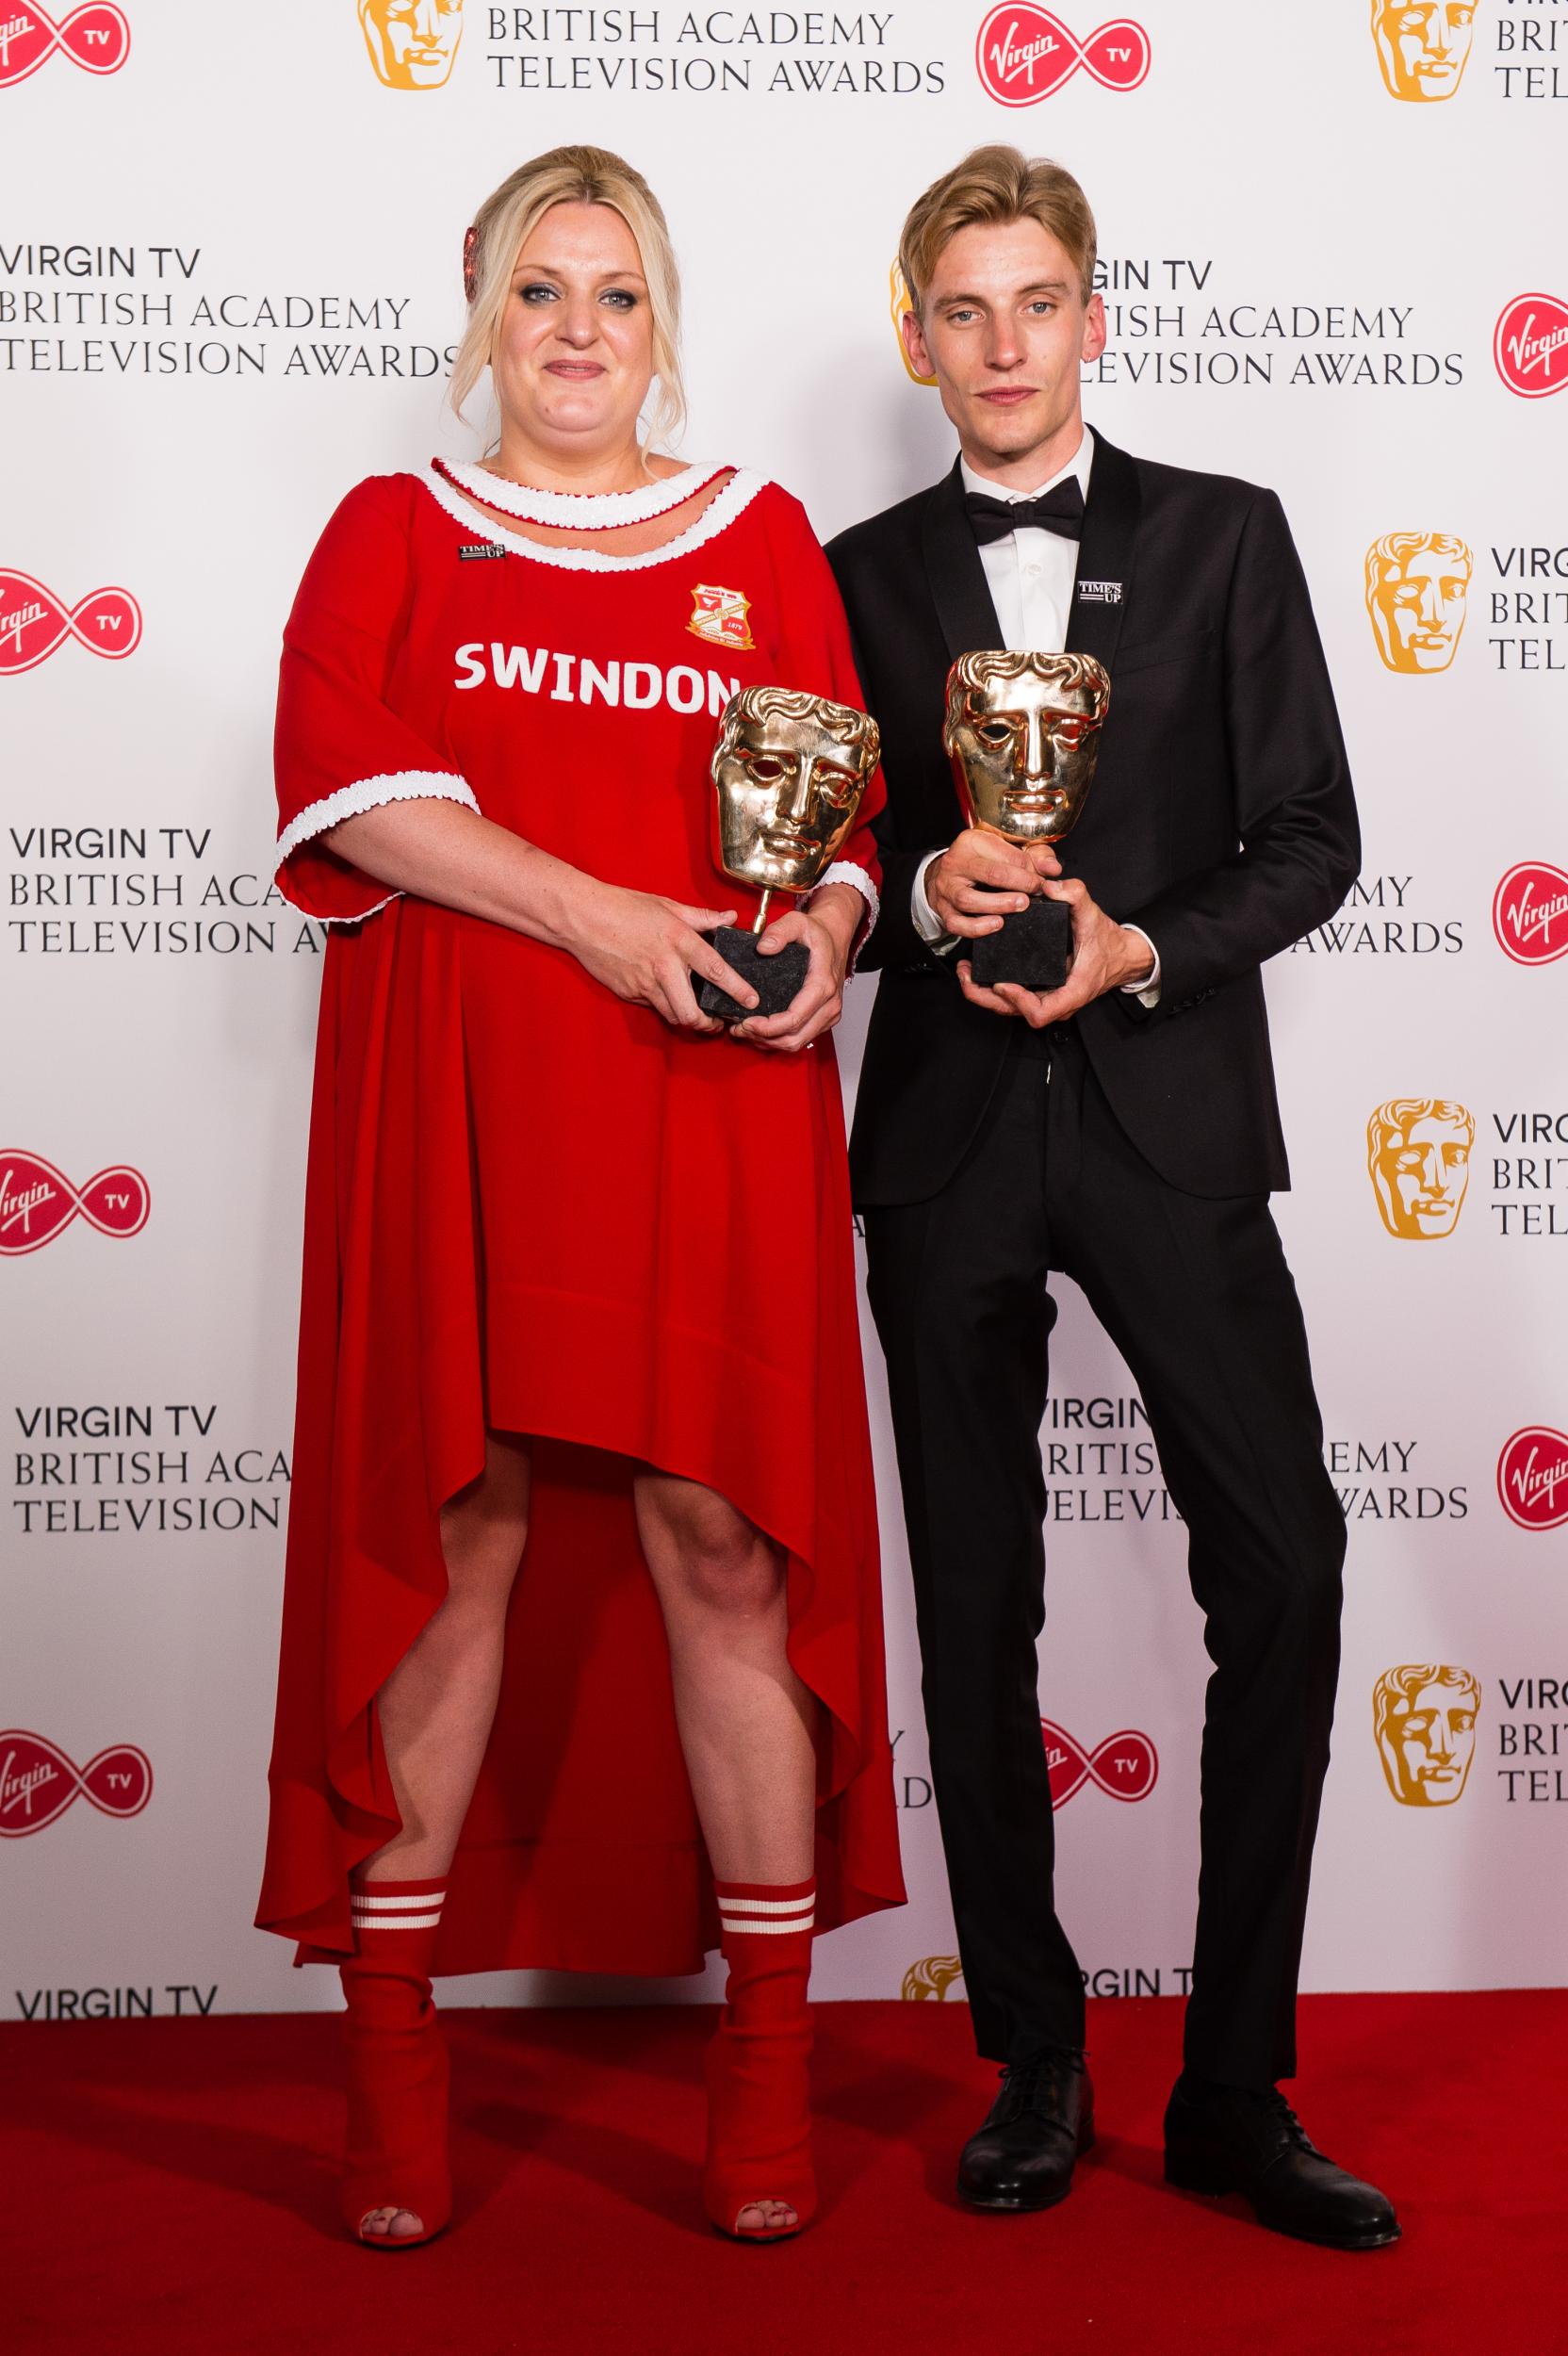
(1026, 54)
(96, 38)
(1532, 1478)
(1531, 346)
(1530, 912)
(38, 1202)
(33, 622)
(37, 1782)
(1125, 1766)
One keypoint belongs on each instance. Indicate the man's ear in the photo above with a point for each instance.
(1095, 331)
(915, 344)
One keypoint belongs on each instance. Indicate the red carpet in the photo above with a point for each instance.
(168, 2191)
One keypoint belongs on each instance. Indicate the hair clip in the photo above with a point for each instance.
(470, 272)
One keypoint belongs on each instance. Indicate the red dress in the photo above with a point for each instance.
(532, 1206)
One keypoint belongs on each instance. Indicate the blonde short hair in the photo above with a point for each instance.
(508, 218)
(995, 185)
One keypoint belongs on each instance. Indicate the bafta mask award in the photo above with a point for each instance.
(789, 770)
(1023, 733)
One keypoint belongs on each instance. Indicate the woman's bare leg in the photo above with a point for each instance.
(746, 1721)
(437, 1707)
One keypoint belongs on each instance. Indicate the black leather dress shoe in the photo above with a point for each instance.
(1229, 2139)
(1023, 2157)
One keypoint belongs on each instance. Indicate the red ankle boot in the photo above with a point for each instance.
(396, 2152)
(759, 2101)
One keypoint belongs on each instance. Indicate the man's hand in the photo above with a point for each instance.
(1106, 957)
(980, 878)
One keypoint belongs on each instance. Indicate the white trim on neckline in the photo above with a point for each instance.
(577, 511)
(716, 516)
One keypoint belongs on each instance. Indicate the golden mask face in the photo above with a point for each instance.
(1424, 1724)
(1417, 589)
(413, 43)
(789, 770)
(1424, 46)
(1419, 1152)
(1023, 734)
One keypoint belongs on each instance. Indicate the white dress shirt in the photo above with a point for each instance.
(1030, 575)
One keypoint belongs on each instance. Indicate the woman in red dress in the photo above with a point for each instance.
(582, 1658)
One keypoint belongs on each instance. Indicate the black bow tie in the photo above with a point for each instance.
(1059, 510)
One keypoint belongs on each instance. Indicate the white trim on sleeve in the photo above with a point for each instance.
(405, 785)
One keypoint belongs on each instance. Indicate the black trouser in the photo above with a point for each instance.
(1196, 1295)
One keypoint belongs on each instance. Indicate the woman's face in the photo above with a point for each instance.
(574, 352)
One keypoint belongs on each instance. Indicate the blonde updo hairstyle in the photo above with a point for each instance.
(506, 221)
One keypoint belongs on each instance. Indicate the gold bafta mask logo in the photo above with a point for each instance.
(413, 43)
(1423, 47)
(1023, 734)
(1418, 1153)
(1424, 1722)
(1418, 592)
(929, 1980)
(789, 770)
(898, 303)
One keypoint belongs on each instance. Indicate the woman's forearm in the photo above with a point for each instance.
(446, 853)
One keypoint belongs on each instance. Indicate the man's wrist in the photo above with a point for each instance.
(1143, 982)
(1137, 959)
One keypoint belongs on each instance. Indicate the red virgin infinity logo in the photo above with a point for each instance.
(1531, 346)
(36, 1202)
(1125, 1765)
(1530, 912)
(96, 38)
(1025, 54)
(33, 622)
(37, 1782)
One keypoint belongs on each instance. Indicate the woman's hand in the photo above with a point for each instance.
(827, 928)
(645, 949)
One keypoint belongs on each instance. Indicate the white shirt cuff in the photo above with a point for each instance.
(923, 915)
(1147, 992)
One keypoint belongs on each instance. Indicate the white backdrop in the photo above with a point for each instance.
(229, 286)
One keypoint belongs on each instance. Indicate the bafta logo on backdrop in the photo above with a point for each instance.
(1422, 47)
(928, 1981)
(413, 43)
(1424, 1724)
(1417, 594)
(1418, 1153)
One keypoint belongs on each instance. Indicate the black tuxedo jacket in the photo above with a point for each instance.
(1221, 818)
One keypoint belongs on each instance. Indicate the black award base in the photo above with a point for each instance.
(1034, 948)
(777, 979)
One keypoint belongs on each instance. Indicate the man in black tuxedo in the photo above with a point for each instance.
(1124, 1130)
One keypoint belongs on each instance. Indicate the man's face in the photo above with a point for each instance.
(413, 43)
(1023, 749)
(1427, 1746)
(1418, 604)
(1421, 1178)
(1004, 330)
(787, 791)
(1422, 47)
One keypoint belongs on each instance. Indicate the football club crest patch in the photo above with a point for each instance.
(719, 617)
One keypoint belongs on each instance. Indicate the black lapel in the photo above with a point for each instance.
(953, 567)
(1104, 555)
